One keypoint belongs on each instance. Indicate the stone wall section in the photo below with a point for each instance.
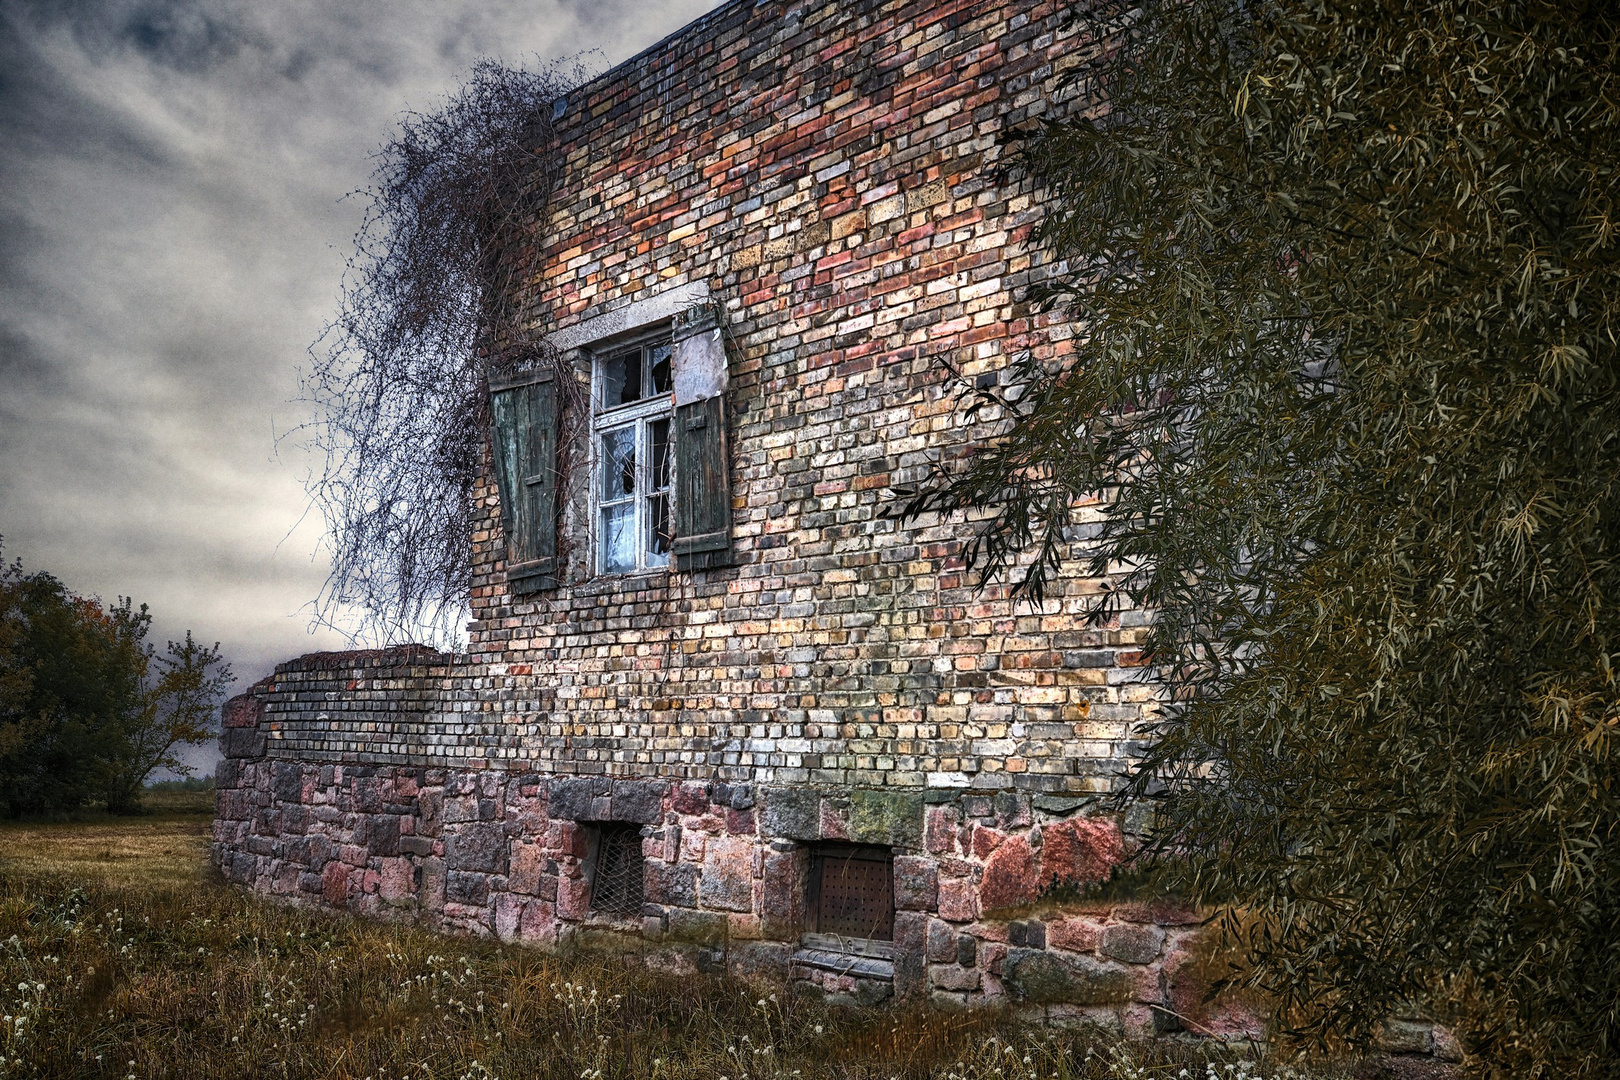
(506, 854)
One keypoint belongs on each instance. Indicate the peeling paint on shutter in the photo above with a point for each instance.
(525, 448)
(702, 464)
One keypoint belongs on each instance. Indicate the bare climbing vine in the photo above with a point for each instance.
(432, 305)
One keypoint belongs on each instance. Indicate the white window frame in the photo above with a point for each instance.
(639, 415)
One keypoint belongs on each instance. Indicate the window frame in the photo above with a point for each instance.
(605, 834)
(638, 415)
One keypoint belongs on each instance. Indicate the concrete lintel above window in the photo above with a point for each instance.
(660, 307)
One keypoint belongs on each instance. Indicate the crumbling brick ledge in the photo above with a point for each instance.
(307, 812)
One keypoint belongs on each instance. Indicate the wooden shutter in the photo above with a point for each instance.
(702, 463)
(525, 446)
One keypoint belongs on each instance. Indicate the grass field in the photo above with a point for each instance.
(122, 956)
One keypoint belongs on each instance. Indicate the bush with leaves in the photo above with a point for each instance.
(88, 709)
(1345, 276)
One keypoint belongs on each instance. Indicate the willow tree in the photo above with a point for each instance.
(1345, 280)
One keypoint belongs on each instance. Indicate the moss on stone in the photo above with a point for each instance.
(1037, 975)
(886, 817)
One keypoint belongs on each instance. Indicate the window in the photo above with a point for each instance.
(634, 457)
(618, 868)
(852, 891)
(658, 492)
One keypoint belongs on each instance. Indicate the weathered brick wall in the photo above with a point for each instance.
(364, 707)
(824, 169)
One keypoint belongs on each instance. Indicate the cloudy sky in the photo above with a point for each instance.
(172, 236)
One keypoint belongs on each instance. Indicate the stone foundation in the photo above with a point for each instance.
(725, 881)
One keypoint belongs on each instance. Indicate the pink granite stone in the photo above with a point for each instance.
(573, 898)
(398, 883)
(1074, 934)
(1009, 876)
(833, 825)
(508, 916)
(528, 863)
(958, 900)
(985, 841)
(689, 798)
(567, 838)
(1080, 851)
(538, 922)
(939, 830)
(727, 883)
(335, 883)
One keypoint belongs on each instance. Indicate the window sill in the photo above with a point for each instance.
(614, 584)
(869, 963)
(600, 920)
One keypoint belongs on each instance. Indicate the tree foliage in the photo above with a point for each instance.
(432, 302)
(88, 709)
(1345, 277)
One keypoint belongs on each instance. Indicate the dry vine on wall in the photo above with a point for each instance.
(432, 305)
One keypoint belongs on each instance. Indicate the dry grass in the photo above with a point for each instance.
(169, 846)
(121, 956)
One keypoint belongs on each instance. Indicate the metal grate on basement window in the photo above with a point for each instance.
(616, 883)
(853, 891)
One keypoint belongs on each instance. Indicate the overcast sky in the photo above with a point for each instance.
(172, 235)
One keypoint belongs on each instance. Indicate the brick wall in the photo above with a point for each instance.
(824, 169)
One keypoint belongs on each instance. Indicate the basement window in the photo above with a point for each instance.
(852, 891)
(617, 870)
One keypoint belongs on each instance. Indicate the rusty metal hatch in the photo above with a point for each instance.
(616, 884)
(852, 891)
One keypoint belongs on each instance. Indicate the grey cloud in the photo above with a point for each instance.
(43, 114)
(181, 34)
(172, 237)
(20, 364)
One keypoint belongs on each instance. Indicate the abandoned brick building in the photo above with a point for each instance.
(718, 708)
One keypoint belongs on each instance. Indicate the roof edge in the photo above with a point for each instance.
(690, 29)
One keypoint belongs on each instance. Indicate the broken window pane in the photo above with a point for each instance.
(621, 379)
(618, 463)
(658, 360)
(619, 538)
(663, 457)
(659, 527)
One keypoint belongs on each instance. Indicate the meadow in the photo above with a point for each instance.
(123, 956)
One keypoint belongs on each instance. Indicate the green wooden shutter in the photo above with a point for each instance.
(702, 463)
(525, 446)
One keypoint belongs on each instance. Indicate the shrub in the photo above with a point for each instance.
(1341, 409)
